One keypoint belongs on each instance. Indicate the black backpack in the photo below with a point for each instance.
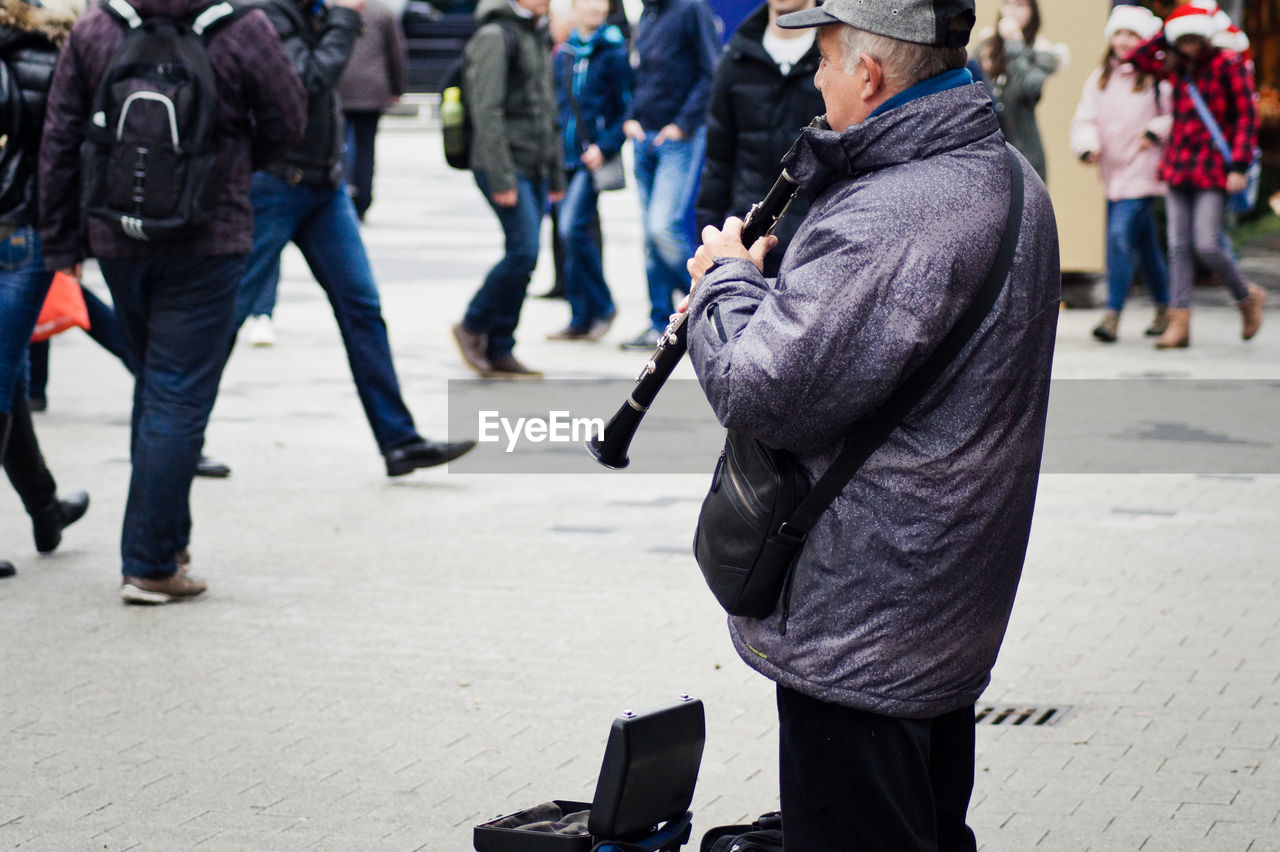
(455, 111)
(12, 187)
(149, 157)
(763, 835)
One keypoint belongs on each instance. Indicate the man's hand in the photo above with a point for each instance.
(592, 158)
(507, 198)
(669, 133)
(556, 197)
(1236, 182)
(73, 271)
(357, 5)
(632, 129)
(724, 243)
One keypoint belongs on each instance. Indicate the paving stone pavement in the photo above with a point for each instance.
(382, 664)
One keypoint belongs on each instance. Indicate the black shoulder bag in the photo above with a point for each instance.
(760, 508)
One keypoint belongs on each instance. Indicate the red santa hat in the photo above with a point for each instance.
(1193, 19)
(1135, 19)
(1233, 39)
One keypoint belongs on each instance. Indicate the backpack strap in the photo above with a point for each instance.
(871, 433)
(217, 16)
(123, 12)
(204, 24)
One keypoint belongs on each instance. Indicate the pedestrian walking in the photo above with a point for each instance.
(174, 296)
(676, 49)
(30, 37)
(302, 198)
(517, 164)
(1198, 176)
(896, 607)
(372, 82)
(593, 88)
(761, 97)
(1120, 126)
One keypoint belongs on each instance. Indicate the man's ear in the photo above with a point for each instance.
(870, 76)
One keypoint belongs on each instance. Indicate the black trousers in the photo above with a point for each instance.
(853, 781)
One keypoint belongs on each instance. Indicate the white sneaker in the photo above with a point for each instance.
(260, 331)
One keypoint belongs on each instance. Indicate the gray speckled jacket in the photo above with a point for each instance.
(902, 593)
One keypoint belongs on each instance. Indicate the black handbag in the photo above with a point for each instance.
(760, 508)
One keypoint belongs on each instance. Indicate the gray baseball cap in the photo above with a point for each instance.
(937, 22)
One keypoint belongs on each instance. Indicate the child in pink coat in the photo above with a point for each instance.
(1121, 123)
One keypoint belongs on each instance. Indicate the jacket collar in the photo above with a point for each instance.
(919, 128)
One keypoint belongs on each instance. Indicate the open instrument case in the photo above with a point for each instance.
(642, 796)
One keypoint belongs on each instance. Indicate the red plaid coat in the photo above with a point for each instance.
(1191, 160)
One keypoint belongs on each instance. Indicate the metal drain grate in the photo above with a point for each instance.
(1020, 716)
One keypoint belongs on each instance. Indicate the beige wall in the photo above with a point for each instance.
(1077, 194)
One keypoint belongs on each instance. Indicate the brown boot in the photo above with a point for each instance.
(471, 346)
(1178, 334)
(1159, 322)
(1108, 328)
(1251, 311)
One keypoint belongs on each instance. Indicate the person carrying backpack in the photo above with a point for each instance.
(30, 36)
(170, 225)
(516, 160)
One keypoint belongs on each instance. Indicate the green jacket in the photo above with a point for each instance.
(512, 103)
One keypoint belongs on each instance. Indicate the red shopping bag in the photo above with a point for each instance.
(63, 308)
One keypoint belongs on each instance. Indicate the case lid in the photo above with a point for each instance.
(650, 767)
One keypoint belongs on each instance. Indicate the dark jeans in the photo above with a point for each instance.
(495, 308)
(853, 781)
(322, 222)
(176, 315)
(24, 282)
(104, 328)
(362, 129)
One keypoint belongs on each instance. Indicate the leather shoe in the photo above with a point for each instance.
(509, 367)
(424, 453)
(471, 346)
(7, 569)
(211, 469)
(48, 523)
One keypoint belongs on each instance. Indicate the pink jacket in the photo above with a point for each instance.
(1112, 123)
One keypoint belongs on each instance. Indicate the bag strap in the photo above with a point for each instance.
(204, 24)
(577, 110)
(870, 434)
(1210, 122)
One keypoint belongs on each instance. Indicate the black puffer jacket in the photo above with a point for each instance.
(29, 40)
(755, 115)
(319, 48)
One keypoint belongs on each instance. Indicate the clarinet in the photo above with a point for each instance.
(610, 448)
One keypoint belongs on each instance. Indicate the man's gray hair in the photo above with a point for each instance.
(905, 63)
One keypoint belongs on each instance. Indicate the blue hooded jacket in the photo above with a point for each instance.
(596, 73)
(677, 46)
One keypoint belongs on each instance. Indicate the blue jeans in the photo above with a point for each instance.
(24, 282)
(176, 316)
(1132, 241)
(667, 179)
(495, 308)
(584, 284)
(322, 221)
